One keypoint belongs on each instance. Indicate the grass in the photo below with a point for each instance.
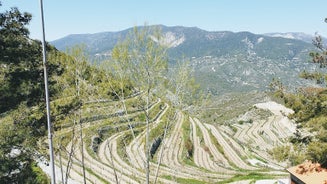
(215, 142)
(124, 140)
(156, 110)
(249, 176)
(187, 143)
(159, 130)
(41, 177)
(222, 109)
(97, 176)
(184, 180)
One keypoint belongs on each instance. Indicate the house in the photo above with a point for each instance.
(308, 173)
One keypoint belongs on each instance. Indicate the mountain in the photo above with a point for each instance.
(194, 42)
(223, 61)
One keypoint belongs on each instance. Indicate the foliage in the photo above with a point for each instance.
(21, 89)
(22, 92)
(20, 61)
(280, 153)
(144, 63)
(41, 177)
(248, 176)
(277, 87)
(144, 60)
(17, 142)
(184, 92)
(184, 180)
(188, 144)
(310, 106)
(317, 76)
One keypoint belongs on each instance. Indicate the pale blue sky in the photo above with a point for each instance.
(64, 17)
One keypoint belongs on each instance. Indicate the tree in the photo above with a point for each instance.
(16, 56)
(21, 89)
(145, 62)
(310, 110)
(183, 92)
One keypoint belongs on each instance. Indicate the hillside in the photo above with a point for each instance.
(223, 61)
(193, 42)
(187, 106)
(188, 150)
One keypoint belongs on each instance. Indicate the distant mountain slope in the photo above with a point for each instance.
(194, 42)
(223, 61)
(95, 43)
(231, 74)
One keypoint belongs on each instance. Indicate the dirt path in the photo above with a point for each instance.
(218, 158)
(229, 151)
(111, 157)
(172, 153)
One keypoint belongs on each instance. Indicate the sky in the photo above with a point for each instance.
(64, 17)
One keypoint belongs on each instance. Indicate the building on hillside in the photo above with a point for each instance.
(308, 173)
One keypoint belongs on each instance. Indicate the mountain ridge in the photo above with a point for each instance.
(196, 42)
(222, 61)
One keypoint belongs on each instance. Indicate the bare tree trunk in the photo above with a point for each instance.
(147, 141)
(60, 162)
(122, 99)
(80, 122)
(161, 152)
(82, 149)
(70, 155)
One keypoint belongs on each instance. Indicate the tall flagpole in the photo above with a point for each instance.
(52, 168)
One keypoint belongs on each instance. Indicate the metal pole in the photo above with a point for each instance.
(52, 168)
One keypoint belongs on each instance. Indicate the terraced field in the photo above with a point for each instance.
(109, 145)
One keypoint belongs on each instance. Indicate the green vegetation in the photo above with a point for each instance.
(144, 63)
(223, 109)
(281, 152)
(121, 97)
(41, 177)
(310, 107)
(216, 143)
(97, 176)
(21, 99)
(183, 180)
(73, 82)
(249, 176)
(188, 144)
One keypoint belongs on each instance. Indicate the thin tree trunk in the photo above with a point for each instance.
(69, 162)
(161, 152)
(80, 123)
(60, 162)
(147, 141)
(82, 149)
